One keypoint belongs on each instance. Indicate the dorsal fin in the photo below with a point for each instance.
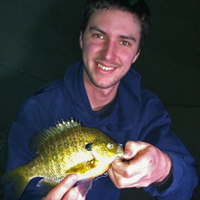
(41, 136)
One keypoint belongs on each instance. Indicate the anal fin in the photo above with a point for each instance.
(44, 186)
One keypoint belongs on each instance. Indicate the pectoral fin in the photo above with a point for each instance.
(83, 167)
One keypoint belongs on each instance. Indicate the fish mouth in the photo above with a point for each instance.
(120, 150)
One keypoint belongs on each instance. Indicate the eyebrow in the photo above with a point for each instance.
(93, 28)
(127, 37)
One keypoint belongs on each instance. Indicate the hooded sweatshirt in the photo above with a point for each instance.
(137, 115)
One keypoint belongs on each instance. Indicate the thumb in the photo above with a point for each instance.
(132, 148)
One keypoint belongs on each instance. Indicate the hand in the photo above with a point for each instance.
(145, 165)
(65, 191)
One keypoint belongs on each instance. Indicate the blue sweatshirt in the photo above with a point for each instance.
(137, 115)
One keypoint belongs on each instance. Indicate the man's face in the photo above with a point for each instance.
(110, 45)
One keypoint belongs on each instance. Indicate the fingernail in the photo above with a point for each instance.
(73, 178)
(127, 153)
(117, 160)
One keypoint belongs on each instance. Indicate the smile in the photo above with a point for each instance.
(105, 68)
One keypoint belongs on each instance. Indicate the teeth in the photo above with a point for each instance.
(105, 68)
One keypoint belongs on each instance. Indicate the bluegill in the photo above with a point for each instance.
(61, 150)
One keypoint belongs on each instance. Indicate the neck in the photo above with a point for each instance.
(98, 97)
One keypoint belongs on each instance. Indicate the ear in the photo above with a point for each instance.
(135, 57)
(81, 40)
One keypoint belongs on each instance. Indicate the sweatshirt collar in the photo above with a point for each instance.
(126, 105)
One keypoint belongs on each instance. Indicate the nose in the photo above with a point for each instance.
(109, 51)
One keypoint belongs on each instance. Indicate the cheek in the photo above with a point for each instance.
(90, 48)
(126, 57)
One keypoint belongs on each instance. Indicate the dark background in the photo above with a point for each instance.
(39, 40)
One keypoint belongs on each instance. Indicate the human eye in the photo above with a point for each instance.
(98, 35)
(125, 43)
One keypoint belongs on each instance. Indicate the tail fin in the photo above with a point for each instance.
(16, 180)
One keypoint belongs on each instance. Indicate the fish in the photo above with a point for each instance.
(63, 149)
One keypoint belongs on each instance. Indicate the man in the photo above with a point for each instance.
(105, 93)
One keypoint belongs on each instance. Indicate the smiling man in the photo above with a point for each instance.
(104, 92)
(110, 45)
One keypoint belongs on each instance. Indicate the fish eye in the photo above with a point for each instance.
(110, 146)
(88, 147)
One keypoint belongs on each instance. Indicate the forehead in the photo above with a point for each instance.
(112, 20)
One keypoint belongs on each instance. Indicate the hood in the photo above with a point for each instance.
(127, 102)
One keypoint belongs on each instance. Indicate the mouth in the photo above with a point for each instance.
(104, 68)
(120, 150)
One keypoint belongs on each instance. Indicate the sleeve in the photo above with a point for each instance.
(18, 151)
(158, 133)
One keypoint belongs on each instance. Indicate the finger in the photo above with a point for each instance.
(73, 194)
(59, 191)
(128, 175)
(118, 172)
(126, 169)
(120, 181)
(132, 148)
(120, 167)
(136, 159)
(112, 177)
